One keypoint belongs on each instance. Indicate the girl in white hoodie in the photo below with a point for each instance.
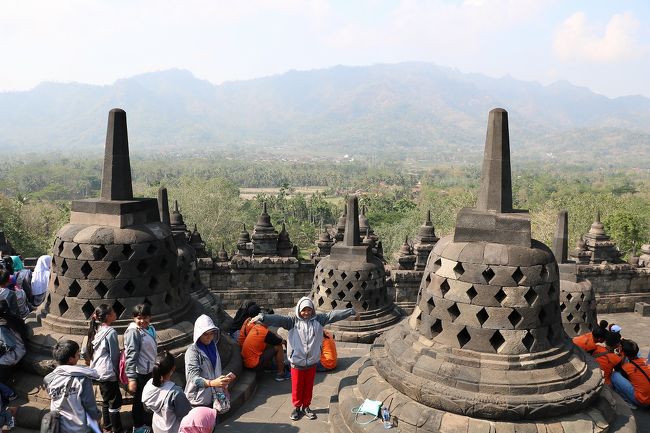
(164, 398)
(103, 354)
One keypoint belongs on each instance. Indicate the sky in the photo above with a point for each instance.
(599, 44)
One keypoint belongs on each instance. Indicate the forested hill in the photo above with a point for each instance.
(402, 110)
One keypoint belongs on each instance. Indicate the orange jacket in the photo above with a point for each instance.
(328, 354)
(243, 332)
(254, 345)
(638, 380)
(607, 361)
(585, 342)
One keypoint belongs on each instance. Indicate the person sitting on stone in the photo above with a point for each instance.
(71, 389)
(606, 356)
(6, 292)
(13, 335)
(203, 378)
(328, 356)
(304, 348)
(261, 347)
(164, 398)
(22, 285)
(240, 316)
(40, 278)
(588, 341)
(246, 326)
(631, 378)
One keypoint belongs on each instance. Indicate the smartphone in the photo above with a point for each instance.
(231, 375)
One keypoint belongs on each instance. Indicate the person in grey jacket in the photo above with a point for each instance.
(6, 294)
(70, 388)
(303, 348)
(203, 376)
(141, 349)
(103, 355)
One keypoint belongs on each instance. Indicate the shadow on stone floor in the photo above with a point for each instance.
(256, 427)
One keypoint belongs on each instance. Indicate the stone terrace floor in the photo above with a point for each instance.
(269, 409)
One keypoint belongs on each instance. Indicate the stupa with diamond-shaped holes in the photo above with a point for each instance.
(484, 349)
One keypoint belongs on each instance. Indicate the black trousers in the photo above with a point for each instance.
(111, 403)
(140, 416)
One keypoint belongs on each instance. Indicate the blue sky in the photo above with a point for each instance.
(603, 45)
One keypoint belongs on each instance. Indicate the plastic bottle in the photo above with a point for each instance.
(385, 416)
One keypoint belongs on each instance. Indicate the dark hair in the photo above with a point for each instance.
(4, 276)
(241, 315)
(8, 263)
(98, 317)
(630, 348)
(64, 350)
(600, 331)
(612, 339)
(164, 364)
(142, 310)
(603, 324)
(14, 321)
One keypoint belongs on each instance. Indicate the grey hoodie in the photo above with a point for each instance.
(80, 400)
(106, 354)
(141, 350)
(305, 336)
(198, 367)
(168, 404)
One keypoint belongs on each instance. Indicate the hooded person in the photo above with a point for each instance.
(303, 347)
(203, 375)
(199, 420)
(40, 278)
(23, 285)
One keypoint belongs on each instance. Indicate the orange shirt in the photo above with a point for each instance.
(585, 342)
(638, 380)
(607, 361)
(243, 332)
(254, 345)
(328, 355)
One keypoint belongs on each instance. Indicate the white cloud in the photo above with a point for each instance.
(579, 40)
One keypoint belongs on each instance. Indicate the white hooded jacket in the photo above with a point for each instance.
(106, 354)
(165, 401)
(199, 368)
(80, 399)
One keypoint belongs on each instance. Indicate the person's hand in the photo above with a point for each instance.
(219, 382)
(257, 319)
(133, 385)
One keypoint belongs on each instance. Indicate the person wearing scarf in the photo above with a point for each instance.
(40, 278)
(203, 375)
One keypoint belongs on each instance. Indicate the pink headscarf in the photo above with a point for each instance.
(199, 420)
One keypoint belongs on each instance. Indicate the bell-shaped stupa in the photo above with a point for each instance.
(484, 349)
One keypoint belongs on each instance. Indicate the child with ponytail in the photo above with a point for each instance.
(164, 398)
(103, 354)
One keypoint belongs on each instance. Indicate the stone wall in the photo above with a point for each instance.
(273, 282)
(617, 287)
(403, 287)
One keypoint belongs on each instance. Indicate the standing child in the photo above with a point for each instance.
(304, 348)
(141, 349)
(71, 389)
(103, 354)
(164, 398)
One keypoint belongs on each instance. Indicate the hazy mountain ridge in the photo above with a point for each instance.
(413, 109)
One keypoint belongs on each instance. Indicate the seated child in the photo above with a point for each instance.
(71, 388)
(632, 377)
(606, 356)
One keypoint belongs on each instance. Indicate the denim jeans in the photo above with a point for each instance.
(624, 388)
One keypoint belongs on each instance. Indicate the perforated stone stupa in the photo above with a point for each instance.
(596, 246)
(577, 297)
(484, 349)
(352, 276)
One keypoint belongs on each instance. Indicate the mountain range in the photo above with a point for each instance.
(407, 110)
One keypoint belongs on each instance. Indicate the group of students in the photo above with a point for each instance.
(309, 348)
(21, 291)
(620, 361)
(160, 403)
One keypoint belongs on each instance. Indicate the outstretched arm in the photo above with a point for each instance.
(276, 320)
(335, 316)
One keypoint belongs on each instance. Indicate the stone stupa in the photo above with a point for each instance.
(352, 276)
(484, 350)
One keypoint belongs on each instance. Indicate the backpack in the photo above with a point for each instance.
(121, 375)
(51, 422)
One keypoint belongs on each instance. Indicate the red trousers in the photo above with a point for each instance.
(302, 386)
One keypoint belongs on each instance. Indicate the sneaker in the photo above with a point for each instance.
(308, 413)
(10, 424)
(143, 429)
(283, 376)
(295, 415)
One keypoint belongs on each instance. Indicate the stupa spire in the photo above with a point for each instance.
(352, 237)
(561, 239)
(163, 206)
(496, 182)
(116, 175)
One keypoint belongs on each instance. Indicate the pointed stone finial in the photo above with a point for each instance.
(116, 175)
(352, 237)
(597, 217)
(561, 239)
(496, 182)
(195, 230)
(163, 206)
(176, 206)
(428, 222)
(264, 209)
(345, 209)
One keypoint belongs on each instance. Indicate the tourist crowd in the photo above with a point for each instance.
(620, 361)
